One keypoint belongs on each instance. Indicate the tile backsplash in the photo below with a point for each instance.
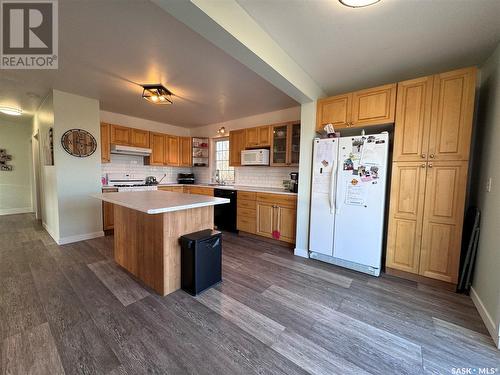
(135, 164)
(248, 176)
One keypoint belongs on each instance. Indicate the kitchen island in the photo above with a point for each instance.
(147, 227)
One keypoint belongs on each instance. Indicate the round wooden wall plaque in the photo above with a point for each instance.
(79, 143)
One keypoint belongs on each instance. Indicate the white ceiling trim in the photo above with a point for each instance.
(228, 26)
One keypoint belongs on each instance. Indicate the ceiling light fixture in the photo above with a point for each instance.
(221, 131)
(358, 3)
(157, 94)
(11, 111)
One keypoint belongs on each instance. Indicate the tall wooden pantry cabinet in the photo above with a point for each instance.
(432, 140)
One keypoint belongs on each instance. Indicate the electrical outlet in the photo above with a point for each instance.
(488, 185)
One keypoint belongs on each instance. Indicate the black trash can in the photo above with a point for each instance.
(201, 260)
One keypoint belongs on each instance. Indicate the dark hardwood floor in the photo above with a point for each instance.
(70, 309)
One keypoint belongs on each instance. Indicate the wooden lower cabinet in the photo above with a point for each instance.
(443, 220)
(199, 190)
(246, 217)
(276, 216)
(108, 220)
(426, 218)
(176, 189)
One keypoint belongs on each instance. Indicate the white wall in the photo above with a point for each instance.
(15, 186)
(80, 215)
(42, 122)
(486, 284)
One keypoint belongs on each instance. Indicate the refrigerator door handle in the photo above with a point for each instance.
(332, 187)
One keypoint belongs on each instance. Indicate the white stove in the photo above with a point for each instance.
(129, 182)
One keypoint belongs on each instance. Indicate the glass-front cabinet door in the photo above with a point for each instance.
(295, 144)
(280, 145)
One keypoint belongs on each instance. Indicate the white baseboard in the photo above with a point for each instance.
(301, 253)
(487, 319)
(14, 211)
(79, 237)
(49, 231)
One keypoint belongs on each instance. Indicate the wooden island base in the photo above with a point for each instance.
(148, 246)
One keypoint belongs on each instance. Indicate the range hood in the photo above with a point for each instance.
(128, 150)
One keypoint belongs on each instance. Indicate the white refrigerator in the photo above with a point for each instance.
(348, 201)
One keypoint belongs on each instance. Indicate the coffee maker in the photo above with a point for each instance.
(294, 182)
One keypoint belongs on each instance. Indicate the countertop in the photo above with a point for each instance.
(157, 202)
(257, 189)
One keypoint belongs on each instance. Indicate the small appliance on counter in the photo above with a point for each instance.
(129, 182)
(151, 180)
(185, 178)
(294, 182)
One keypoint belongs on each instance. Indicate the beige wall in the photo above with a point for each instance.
(139, 123)
(43, 120)
(486, 283)
(289, 114)
(80, 215)
(15, 186)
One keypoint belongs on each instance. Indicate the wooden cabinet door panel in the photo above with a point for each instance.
(107, 215)
(406, 216)
(251, 137)
(452, 111)
(443, 220)
(172, 151)
(120, 135)
(246, 224)
(105, 143)
(139, 138)
(335, 110)
(264, 135)
(265, 219)
(157, 142)
(374, 106)
(186, 152)
(413, 116)
(237, 139)
(201, 190)
(286, 223)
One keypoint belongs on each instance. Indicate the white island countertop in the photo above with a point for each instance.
(157, 202)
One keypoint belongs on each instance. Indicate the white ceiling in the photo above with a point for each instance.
(107, 48)
(345, 49)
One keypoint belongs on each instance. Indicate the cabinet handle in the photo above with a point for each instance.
(423, 165)
(431, 156)
(423, 156)
(430, 165)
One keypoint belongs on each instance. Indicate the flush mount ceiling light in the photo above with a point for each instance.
(358, 3)
(11, 111)
(157, 94)
(221, 131)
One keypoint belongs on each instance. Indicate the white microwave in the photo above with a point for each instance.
(255, 157)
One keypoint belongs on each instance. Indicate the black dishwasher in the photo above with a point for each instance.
(225, 214)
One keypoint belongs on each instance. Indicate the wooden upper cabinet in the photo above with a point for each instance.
(334, 110)
(172, 150)
(374, 106)
(236, 145)
(105, 143)
(186, 151)
(139, 138)
(413, 117)
(121, 135)
(157, 143)
(443, 219)
(452, 114)
(406, 215)
(258, 137)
